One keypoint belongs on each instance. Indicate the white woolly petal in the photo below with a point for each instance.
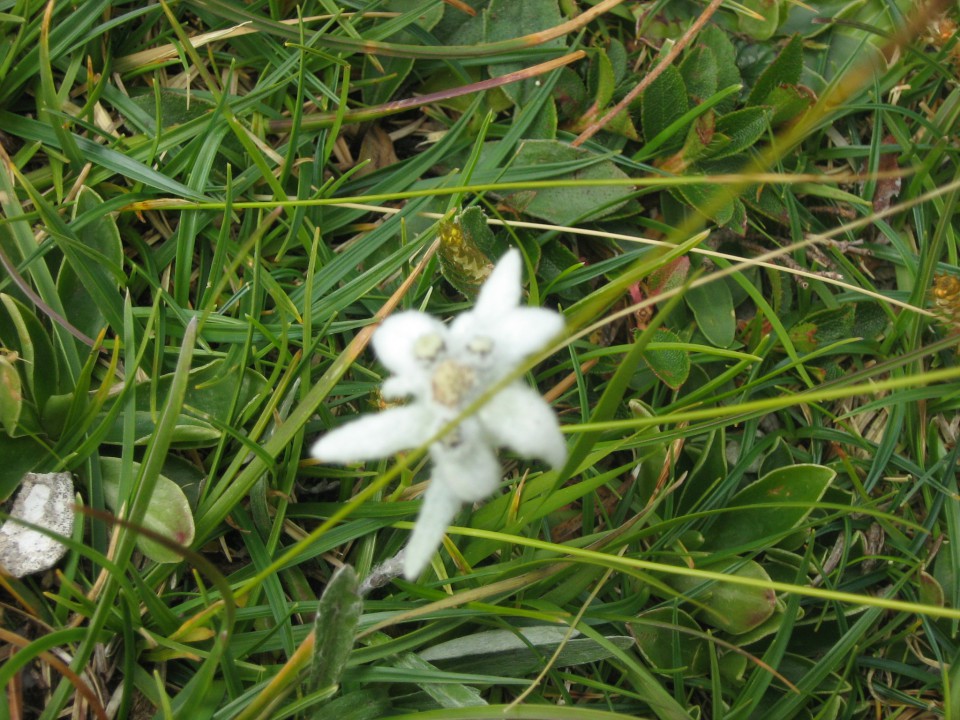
(500, 292)
(401, 386)
(376, 436)
(523, 332)
(440, 506)
(518, 418)
(466, 463)
(394, 341)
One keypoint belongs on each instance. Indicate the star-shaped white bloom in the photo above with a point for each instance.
(444, 369)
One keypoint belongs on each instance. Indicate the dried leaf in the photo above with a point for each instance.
(888, 188)
(377, 147)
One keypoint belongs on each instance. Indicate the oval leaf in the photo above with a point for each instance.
(657, 634)
(770, 507)
(671, 366)
(169, 512)
(98, 265)
(736, 609)
(566, 205)
(712, 306)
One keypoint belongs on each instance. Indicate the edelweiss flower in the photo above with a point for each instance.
(444, 369)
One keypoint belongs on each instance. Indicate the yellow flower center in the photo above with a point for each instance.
(452, 383)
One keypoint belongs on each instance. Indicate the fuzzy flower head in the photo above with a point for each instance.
(444, 369)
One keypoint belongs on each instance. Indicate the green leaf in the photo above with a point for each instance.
(709, 468)
(508, 19)
(505, 652)
(217, 391)
(667, 649)
(785, 70)
(570, 94)
(619, 60)
(98, 155)
(662, 103)
(712, 306)
(740, 130)
(767, 201)
(699, 72)
(143, 482)
(20, 455)
(555, 263)
(445, 694)
(760, 29)
(869, 320)
(668, 277)
(701, 135)
(101, 285)
(21, 332)
(335, 628)
(726, 58)
(600, 79)
(566, 205)
(671, 366)
(174, 107)
(167, 514)
(834, 324)
(544, 125)
(736, 609)
(98, 254)
(367, 703)
(712, 201)
(788, 102)
(770, 507)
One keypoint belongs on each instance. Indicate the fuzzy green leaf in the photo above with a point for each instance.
(740, 130)
(700, 73)
(785, 70)
(713, 202)
(726, 58)
(508, 19)
(664, 102)
(335, 628)
(671, 366)
(567, 205)
(600, 80)
(788, 101)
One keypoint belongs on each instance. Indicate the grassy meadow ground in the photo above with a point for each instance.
(746, 213)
